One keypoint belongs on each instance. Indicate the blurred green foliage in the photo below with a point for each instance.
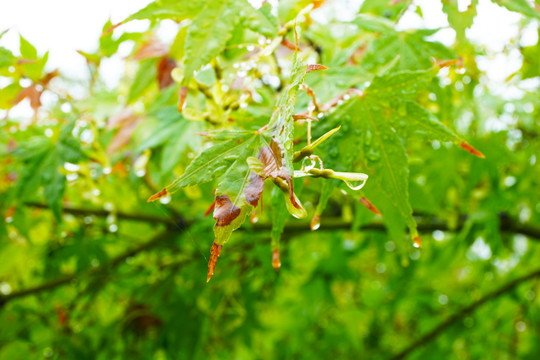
(90, 270)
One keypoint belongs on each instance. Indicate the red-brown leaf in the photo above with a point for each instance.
(32, 94)
(225, 211)
(151, 49)
(270, 156)
(127, 122)
(164, 68)
(254, 189)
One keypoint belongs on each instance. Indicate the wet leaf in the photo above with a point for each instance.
(208, 34)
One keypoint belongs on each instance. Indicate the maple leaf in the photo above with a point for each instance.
(383, 114)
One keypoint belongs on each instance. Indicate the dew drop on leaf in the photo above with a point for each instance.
(373, 155)
(355, 185)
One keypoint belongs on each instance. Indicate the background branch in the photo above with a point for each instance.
(438, 330)
(426, 223)
(107, 267)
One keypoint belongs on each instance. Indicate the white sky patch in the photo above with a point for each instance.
(63, 27)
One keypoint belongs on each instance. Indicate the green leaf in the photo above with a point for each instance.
(28, 51)
(409, 119)
(54, 183)
(261, 21)
(208, 34)
(521, 6)
(180, 140)
(413, 49)
(382, 8)
(374, 23)
(8, 95)
(145, 77)
(214, 161)
(460, 20)
(368, 134)
(281, 125)
(6, 58)
(177, 10)
(326, 84)
(279, 216)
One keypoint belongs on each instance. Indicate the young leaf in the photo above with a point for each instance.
(414, 50)
(281, 125)
(177, 10)
(261, 21)
(213, 162)
(521, 6)
(208, 34)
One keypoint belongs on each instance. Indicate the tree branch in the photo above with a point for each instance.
(438, 330)
(112, 264)
(426, 223)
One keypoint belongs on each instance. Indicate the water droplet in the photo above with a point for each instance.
(355, 185)
(373, 155)
(368, 135)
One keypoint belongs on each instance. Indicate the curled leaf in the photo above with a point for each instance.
(271, 158)
(254, 189)
(225, 211)
(164, 68)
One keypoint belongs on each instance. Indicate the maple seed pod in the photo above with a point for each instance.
(215, 251)
(276, 261)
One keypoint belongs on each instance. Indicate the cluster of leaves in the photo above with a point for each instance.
(349, 123)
